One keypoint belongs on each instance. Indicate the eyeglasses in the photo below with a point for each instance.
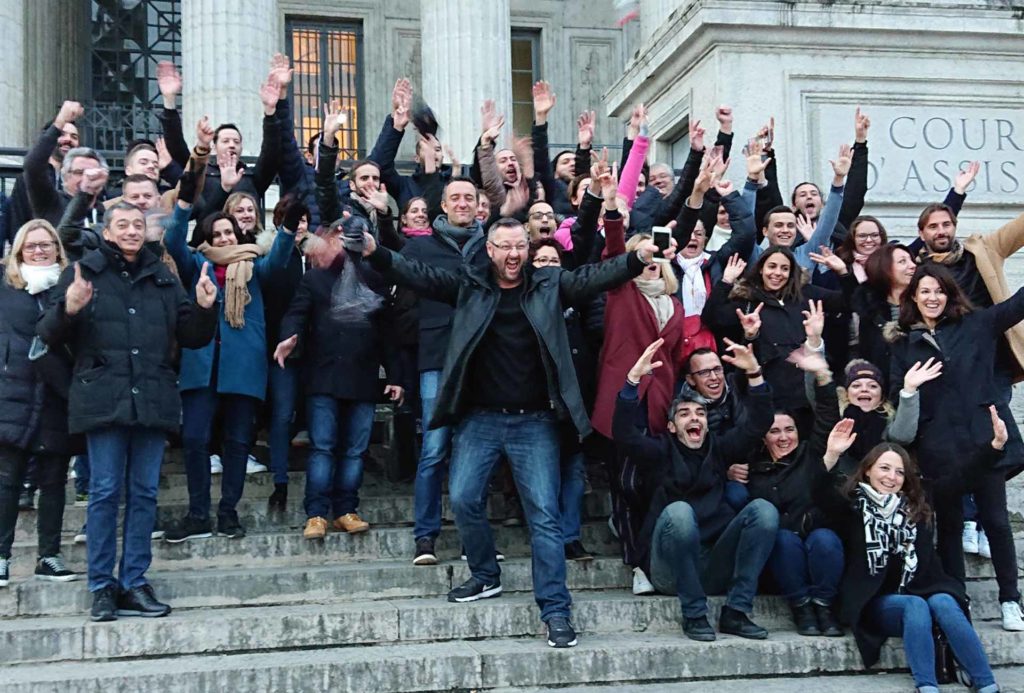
(868, 236)
(542, 215)
(717, 370)
(508, 248)
(43, 247)
(547, 261)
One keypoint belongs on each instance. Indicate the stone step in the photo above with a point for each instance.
(477, 664)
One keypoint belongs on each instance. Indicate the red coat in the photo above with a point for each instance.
(629, 327)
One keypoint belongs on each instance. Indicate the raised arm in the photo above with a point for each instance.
(857, 183)
(168, 80)
(830, 214)
(326, 186)
(269, 160)
(629, 421)
(543, 102)
(586, 282)
(428, 281)
(630, 174)
(36, 170)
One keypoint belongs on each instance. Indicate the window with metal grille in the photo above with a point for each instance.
(128, 40)
(327, 58)
(525, 71)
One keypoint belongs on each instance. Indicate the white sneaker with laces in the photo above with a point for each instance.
(984, 550)
(641, 585)
(970, 539)
(254, 466)
(215, 466)
(1013, 619)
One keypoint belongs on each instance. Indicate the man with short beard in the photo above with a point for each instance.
(689, 517)
(507, 382)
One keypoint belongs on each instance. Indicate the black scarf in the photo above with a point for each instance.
(888, 531)
(869, 427)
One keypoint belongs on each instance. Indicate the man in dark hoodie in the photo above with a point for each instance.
(689, 518)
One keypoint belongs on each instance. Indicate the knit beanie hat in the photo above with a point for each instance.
(859, 368)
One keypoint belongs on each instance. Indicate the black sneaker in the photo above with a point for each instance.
(104, 604)
(698, 629)
(278, 499)
(828, 624)
(425, 552)
(738, 623)
(5, 572)
(472, 590)
(52, 568)
(140, 601)
(575, 551)
(228, 526)
(560, 632)
(189, 528)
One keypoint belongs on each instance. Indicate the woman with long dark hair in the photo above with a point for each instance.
(893, 584)
(936, 320)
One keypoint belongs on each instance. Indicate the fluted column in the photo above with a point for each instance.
(13, 130)
(56, 49)
(226, 48)
(466, 58)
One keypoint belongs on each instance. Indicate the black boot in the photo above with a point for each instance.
(278, 499)
(828, 624)
(104, 604)
(738, 623)
(804, 618)
(698, 629)
(140, 601)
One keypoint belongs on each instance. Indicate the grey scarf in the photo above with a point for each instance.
(457, 237)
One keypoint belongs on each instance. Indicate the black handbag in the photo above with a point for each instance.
(947, 669)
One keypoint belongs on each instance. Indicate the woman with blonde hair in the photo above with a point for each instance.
(33, 398)
(246, 211)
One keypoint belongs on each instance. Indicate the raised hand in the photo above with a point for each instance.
(452, 158)
(808, 360)
(756, 163)
(168, 80)
(696, 133)
(741, 356)
(636, 119)
(733, 269)
(723, 186)
(401, 103)
(839, 441)
(964, 178)
(585, 125)
(841, 165)
(610, 184)
(93, 180)
(827, 258)
(78, 294)
(379, 198)
(543, 101)
(999, 432)
(395, 393)
(724, 116)
(805, 226)
(230, 173)
(719, 164)
(814, 322)
(284, 349)
(204, 132)
(163, 154)
(69, 112)
(281, 72)
(334, 120)
(750, 322)
(919, 374)
(491, 123)
(646, 364)
(767, 134)
(427, 153)
(269, 93)
(206, 290)
(861, 123)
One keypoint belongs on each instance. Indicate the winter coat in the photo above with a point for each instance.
(125, 340)
(241, 352)
(475, 294)
(954, 420)
(33, 394)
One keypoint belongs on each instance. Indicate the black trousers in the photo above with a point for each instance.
(51, 478)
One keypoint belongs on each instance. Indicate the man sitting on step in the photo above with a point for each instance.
(693, 541)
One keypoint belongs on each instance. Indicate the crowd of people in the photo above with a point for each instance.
(783, 399)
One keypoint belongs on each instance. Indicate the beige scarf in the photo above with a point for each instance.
(661, 303)
(238, 259)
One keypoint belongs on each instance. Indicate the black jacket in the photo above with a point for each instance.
(696, 477)
(341, 359)
(33, 394)
(47, 202)
(876, 315)
(475, 295)
(124, 341)
(787, 482)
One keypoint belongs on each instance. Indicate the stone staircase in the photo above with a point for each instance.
(274, 612)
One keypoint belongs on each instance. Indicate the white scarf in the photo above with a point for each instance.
(39, 278)
(661, 303)
(719, 237)
(692, 288)
(888, 531)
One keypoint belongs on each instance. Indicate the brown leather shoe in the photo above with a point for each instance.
(316, 528)
(351, 523)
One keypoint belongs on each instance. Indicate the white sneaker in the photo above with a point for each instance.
(641, 585)
(80, 537)
(984, 550)
(253, 466)
(1013, 619)
(970, 539)
(215, 466)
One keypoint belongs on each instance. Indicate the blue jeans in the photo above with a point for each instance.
(82, 473)
(682, 565)
(570, 499)
(736, 495)
(910, 617)
(530, 443)
(125, 457)
(808, 568)
(339, 433)
(431, 468)
(198, 409)
(284, 388)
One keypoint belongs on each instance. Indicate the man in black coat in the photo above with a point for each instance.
(689, 516)
(508, 380)
(123, 313)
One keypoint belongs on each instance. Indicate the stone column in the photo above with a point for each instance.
(56, 68)
(466, 58)
(226, 47)
(653, 14)
(13, 128)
